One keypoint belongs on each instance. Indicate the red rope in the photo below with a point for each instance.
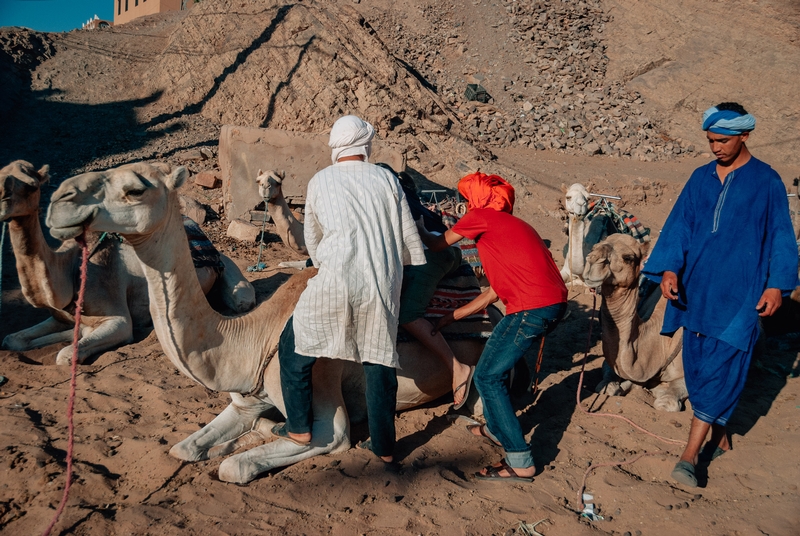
(587, 412)
(74, 369)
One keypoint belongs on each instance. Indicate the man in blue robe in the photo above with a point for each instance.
(726, 256)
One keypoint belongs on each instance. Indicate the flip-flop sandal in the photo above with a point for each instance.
(464, 385)
(684, 474)
(493, 473)
(483, 433)
(279, 430)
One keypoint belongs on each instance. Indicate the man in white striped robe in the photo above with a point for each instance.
(359, 233)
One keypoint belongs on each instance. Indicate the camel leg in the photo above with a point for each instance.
(47, 332)
(330, 431)
(237, 420)
(110, 333)
(236, 291)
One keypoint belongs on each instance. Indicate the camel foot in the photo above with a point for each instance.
(613, 388)
(668, 403)
(226, 432)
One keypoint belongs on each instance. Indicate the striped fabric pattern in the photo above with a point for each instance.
(359, 233)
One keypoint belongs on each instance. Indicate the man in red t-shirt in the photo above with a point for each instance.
(523, 275)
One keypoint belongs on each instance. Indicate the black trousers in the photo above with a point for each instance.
(381, 394)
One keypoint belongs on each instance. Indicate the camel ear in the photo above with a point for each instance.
(563, 188)
(44, 174)
(177, 178)
(259, 173)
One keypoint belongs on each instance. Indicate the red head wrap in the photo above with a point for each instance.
(487, 191)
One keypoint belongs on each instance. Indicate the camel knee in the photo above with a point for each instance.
(15, 342)
(243, 297)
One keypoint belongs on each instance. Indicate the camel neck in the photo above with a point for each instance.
(617, 307)
(45, 275)
(202, 343)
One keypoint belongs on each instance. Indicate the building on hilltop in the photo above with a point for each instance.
(96, 24)
(127, 10)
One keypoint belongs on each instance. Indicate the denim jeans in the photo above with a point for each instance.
(381, 394)
(512, 337)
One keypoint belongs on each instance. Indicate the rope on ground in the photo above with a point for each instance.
(73, 380)
(596, 414)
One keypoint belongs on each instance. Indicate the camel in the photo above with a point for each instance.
(633, 347)
(116, 298)
(289, 229)
(582, 235)
(577, 205)
(231, 354)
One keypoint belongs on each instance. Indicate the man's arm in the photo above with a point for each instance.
(782, 275)
(436, 242)
(480, 303)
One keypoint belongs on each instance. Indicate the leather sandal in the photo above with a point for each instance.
(492, 472)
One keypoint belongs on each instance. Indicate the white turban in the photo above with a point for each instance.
(350, 136)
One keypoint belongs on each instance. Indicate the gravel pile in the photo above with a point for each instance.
(560, 98)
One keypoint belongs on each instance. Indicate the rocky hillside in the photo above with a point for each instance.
(579, 76)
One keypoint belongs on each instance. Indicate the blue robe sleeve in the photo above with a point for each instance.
(782, 272)
(669, 253)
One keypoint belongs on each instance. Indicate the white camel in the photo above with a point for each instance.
(239, 354)
(577, 204)
(116, 299)
(634, 348)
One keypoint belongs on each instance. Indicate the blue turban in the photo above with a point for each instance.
(727, 122)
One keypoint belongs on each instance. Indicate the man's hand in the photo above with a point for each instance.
(769, 302)
(669, 285)
(443, 322)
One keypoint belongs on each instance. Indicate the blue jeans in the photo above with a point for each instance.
(381, 394)
(512, 337)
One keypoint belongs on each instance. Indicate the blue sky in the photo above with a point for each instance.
(53, 15)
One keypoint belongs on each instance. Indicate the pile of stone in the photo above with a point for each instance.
(560, 101)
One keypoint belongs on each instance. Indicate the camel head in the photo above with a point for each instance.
(269, 183)
(20, 189)
(614, 262)
(133, 199)
(577, 200)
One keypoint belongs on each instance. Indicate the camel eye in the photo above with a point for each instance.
(135, 193)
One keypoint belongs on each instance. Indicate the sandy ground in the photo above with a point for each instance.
(91, 104)
(132, 406)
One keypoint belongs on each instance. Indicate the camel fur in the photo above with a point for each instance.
(633, 348)
(237, 355)
(116, 297)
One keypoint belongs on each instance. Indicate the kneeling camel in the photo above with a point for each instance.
(116, 299)
(634, 348)
(230, 354)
